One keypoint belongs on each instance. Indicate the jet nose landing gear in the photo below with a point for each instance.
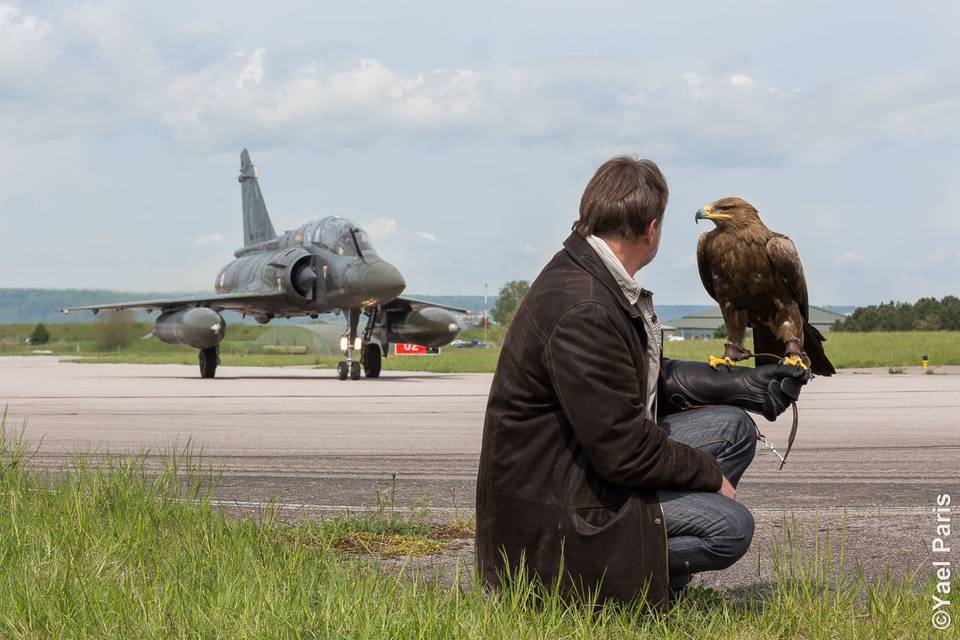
(349, 369)
(350, 341)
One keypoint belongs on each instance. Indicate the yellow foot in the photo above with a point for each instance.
(795, 360)
(716, 362)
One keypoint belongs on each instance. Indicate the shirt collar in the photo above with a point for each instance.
(630, 287)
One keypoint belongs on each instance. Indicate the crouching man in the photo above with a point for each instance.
(588, 467)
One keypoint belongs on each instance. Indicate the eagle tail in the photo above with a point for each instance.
(764, 342)
(813, 344)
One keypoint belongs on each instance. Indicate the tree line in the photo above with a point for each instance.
(926, 314)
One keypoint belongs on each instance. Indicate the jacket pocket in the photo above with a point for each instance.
(589, 520)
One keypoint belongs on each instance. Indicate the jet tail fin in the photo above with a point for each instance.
(256, 221)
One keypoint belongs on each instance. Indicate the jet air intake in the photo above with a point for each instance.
(201, 328)
(304, 277)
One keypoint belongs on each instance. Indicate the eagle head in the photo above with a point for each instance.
(728, 212)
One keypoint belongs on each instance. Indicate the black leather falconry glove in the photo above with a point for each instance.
(768, 389)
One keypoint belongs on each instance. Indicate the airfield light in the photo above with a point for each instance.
(926, 361)
(343, 343)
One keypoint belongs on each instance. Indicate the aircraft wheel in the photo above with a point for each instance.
(372, 360)
(354, 370)
(342, 370)
(209, 359)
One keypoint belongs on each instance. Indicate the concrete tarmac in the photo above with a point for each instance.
(873, 452)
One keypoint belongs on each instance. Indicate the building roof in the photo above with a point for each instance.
(711, 318)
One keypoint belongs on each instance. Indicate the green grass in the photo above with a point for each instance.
(848, 350)
(107, 550)
(70, 337)
(189, 356)
(449, 361)
(845, 350)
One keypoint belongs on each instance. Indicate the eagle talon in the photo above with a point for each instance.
(795, 360)
(715, 362)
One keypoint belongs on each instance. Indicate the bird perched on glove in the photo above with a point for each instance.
(756, 276)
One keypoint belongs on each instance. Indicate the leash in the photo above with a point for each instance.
(793, 428)
(793, 436)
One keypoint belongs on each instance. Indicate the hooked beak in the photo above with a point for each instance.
(706, 213)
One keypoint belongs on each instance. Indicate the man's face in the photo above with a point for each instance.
(651, 242)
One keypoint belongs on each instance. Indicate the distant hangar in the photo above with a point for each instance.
(703, 324)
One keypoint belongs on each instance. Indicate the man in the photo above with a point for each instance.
(589, 472)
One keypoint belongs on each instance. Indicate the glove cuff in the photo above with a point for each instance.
(685, 384)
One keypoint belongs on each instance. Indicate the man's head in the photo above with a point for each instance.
(624, 203)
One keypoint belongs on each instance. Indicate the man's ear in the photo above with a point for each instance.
(651, 231)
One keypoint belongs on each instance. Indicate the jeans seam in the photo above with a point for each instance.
(701, 445)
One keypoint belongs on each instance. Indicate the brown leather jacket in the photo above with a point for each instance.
(569, 463)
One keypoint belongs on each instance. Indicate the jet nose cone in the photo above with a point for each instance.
(383, 281)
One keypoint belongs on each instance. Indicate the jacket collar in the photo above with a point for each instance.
(585, 256)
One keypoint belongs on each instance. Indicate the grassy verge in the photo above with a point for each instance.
(103, 551)
(190, 357)
(449, 361)
(846, 350)
(849, 350)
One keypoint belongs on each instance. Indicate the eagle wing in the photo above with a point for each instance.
(786, 264)
(703, 264)
(785, 261)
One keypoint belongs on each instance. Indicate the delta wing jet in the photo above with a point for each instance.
(327, 265)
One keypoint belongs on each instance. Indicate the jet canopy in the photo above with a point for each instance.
(340, 236)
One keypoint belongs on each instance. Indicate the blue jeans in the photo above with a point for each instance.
(708, 531)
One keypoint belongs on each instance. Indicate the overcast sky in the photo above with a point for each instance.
(462, 137)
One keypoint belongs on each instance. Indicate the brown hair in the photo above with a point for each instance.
(621, 199)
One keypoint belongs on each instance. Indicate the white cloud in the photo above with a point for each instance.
(24, 43)
(741, 81)
(253, 71)
(391, 235)
(15, 25)
(936, 258)
(209, 239)
(381, 228)
(66, 71)
(528, 249)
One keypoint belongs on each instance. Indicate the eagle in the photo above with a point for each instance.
(756, 276)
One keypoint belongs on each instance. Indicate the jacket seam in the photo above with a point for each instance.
(547, 359)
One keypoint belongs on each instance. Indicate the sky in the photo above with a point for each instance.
(461, 137)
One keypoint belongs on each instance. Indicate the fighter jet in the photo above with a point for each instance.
(327, 265)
